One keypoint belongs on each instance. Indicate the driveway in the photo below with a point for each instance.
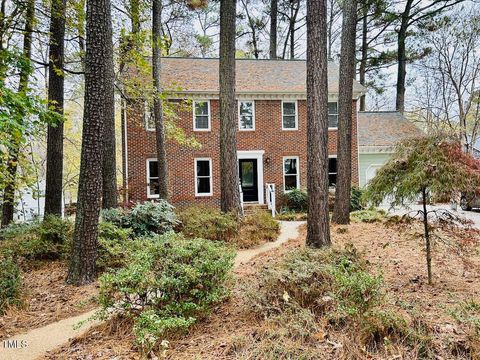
(470, 215)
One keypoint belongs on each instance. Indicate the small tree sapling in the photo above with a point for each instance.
(421, 167)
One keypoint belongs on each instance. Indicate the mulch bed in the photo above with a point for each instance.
(47, 299)
(388, 249)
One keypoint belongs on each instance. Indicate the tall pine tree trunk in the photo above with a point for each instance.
(157, 101)
(402, 57)
(54, 176)
(341, 213)
(229, 182)
(109, 169)
(99, 101)
(318, 230)
(363, 61)
(273, 28)
(8, 206)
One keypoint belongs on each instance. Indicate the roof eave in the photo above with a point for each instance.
(261, 95)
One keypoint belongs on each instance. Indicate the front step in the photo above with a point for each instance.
(249, 208)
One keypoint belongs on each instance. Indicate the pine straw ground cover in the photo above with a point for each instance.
(444, 318)
(46, 298)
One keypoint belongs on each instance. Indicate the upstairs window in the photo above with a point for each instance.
(332, 171)
(203, 177)
(289, 115)
(152, 178)
(201, 115)
(291, 178)
(333, 115)
(246, 115)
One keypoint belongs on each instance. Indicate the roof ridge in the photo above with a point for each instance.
(240, 59)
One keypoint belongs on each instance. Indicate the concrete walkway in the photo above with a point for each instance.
(288, 230)
(37, 342)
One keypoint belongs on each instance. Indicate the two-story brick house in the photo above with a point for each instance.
(272, 131)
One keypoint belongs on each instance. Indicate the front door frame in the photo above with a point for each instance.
(258, 155)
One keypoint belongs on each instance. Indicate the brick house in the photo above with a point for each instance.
(272, 134)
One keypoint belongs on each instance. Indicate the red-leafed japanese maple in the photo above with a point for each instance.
(421, 167)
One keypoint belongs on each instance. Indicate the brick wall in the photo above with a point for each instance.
(268, 136)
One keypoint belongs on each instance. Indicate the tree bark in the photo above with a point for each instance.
(229, 182)
(99, 96)
(8, 206)
(402, 58)
(157, 101)
(318, 231)
(273, 28)
(427, 236)
(109, 169)
(341, 213)
(363, 62)
(54, 172)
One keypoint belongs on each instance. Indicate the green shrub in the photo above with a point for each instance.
(114, 245)
(207, 223)
(145, 219)
(167, 284)
(49, 239)
(257, 228)
(355, 290)
(289, 215)
(118, 216)
(368, 216)
(296, 200)
(17, 230)
(306, 276)
(356, 196)
(10, 282)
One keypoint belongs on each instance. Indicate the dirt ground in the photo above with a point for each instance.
(46, 299)
(232, 328)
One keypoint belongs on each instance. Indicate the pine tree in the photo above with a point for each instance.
(99, 102)
(273, 28)
(229, 182)
(157, 101)
(318, 230)
(341, 214)
(54, 172)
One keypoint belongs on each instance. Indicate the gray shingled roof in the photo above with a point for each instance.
(253, 76)
(384, 128)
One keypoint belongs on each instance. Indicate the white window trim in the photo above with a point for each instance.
(333, 128)
(209, 116)
(296, 115)
(298, 171)
(149, 195)
(146, 111)
(253, 115)
(197, 194)
(332, 157)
